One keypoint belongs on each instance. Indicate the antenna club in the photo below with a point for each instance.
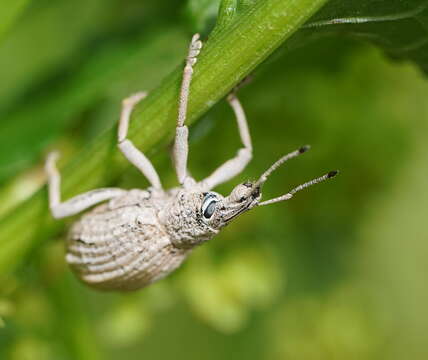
(303, 149)
(332, 174)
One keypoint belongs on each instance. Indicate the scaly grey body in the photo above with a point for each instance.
(122, 244)
(133, 240)
(140, 236)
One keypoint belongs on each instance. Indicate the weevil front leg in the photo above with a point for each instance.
(78, 203)
(234, 166)
(135, 156)
(181, 147)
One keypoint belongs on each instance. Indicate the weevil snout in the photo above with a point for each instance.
(242, 193)
(242, 198)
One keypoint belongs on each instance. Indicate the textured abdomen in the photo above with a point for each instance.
(121, 246)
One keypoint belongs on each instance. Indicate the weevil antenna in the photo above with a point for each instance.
(279, 162)
(291, 193)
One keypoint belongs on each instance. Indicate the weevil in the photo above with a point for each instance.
(137, 237)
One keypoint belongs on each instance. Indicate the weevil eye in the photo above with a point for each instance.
(209, 205)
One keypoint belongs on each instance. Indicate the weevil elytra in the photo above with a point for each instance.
(140, 236)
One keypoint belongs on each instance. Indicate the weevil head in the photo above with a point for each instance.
(194, 217)
(218, 212)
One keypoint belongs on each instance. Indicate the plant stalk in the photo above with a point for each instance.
(230, 54)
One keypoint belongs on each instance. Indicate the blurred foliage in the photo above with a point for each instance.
(338, 272)
(9, 11)
(398, 27)
(202, 14)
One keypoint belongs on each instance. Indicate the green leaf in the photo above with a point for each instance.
(399, 27)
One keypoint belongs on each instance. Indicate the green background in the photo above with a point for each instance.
(338, 272)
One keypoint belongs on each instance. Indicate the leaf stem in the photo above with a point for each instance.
(228, 56)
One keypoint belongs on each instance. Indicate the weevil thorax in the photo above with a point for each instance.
(194, 216)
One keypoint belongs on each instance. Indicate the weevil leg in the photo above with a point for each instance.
(181, 147)
(78, 203)
(135, 156)
(236, 165)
